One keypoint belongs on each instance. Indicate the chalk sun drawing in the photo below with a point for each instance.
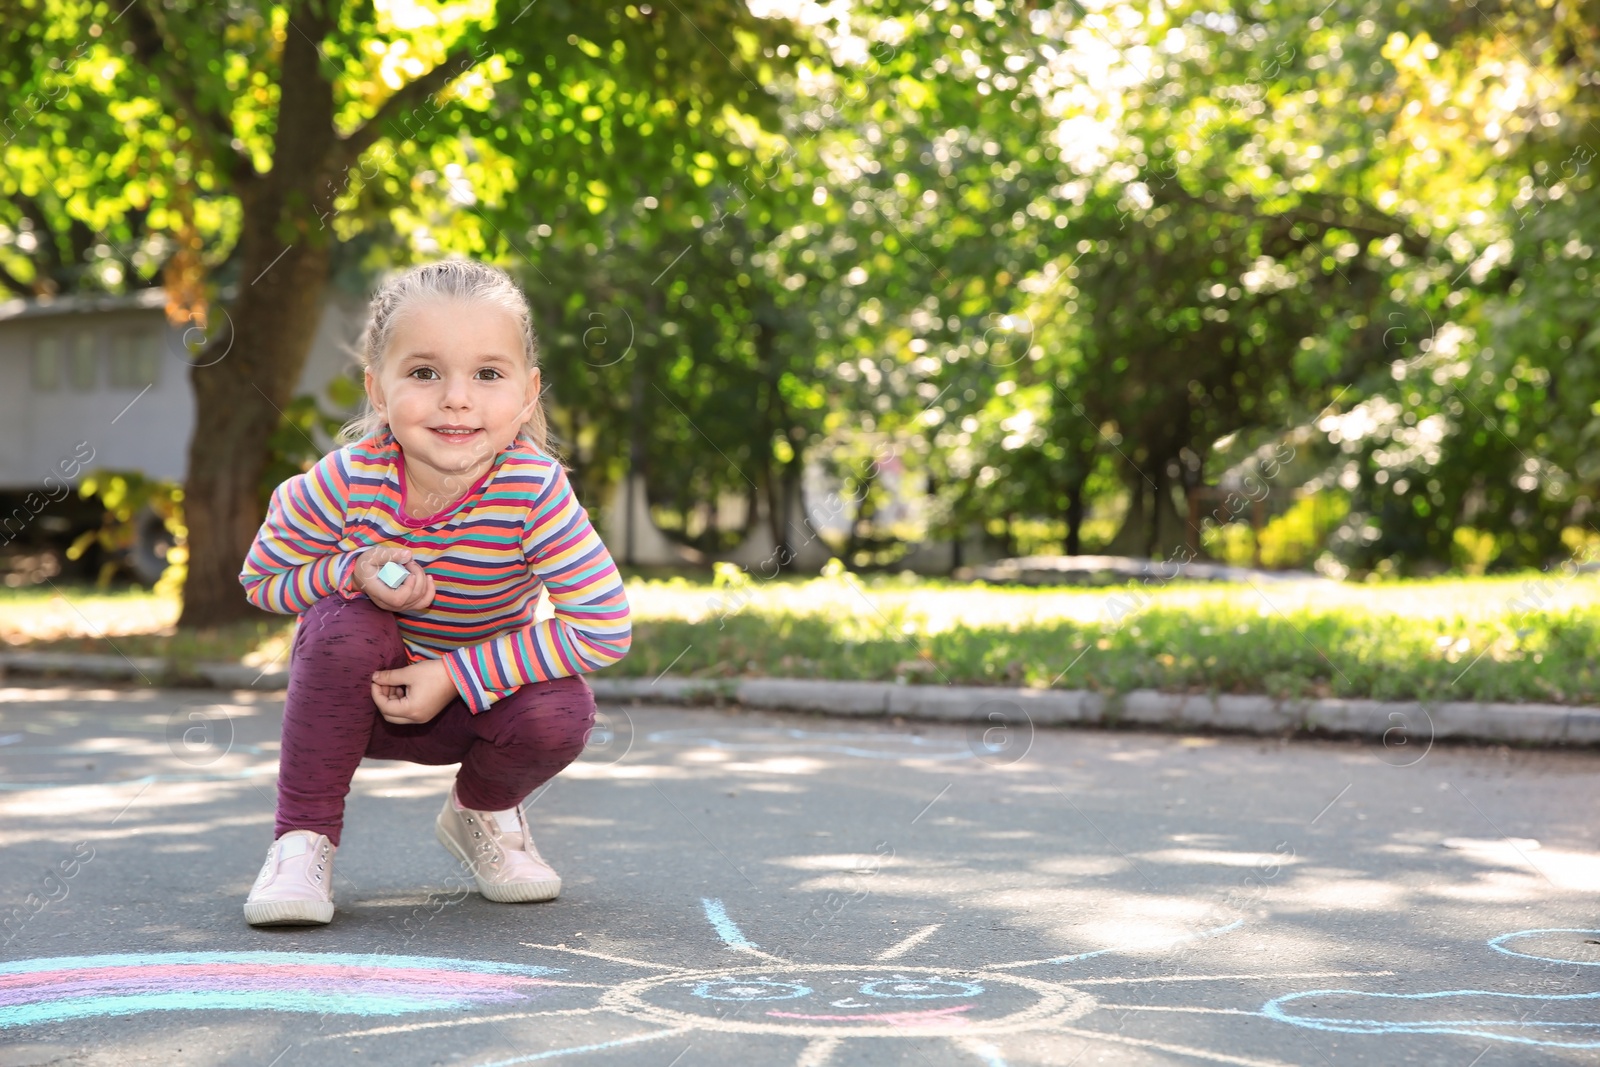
(827, 1004)
(1549, 1020)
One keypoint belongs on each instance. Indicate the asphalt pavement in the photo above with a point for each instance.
(761, 888)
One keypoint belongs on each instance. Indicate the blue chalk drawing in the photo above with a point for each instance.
(902, 988)
(1489, 1029)
(750, 989)
(1499, 945)
(717, 916)
(1480, 1013)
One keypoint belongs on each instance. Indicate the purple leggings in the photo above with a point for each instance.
(330, 722)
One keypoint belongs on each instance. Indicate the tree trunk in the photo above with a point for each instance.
(636, 454)
(246, 375)
(238, 402)
(865, 507)
(1075, 518)
(1153, 531)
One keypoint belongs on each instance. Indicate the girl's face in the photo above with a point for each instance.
(454, 387)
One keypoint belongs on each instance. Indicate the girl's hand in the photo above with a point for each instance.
(415, 693)
(414, 594)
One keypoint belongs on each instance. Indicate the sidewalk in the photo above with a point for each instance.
(1398, 723)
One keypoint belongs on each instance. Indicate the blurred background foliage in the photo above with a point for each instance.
(1087, 270)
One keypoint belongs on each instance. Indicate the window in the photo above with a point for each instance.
(47, 363)
(135, 360)
(83, 364)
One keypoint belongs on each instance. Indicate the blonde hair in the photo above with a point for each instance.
(454, 279)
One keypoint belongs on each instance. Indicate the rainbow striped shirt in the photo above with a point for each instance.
(519, 528)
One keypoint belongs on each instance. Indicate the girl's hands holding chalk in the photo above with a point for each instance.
(413, 595)
(415, 693)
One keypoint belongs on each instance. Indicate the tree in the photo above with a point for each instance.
(259, 136)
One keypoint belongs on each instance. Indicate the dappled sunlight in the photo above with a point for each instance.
(837, 861)
(1088, 921)
(1560, 868)
(591, 772)
(942, 605)
(384, 772)
(87, 615)
(398, 780)
(55, 696)
(705, 755)
(585, 821)
(1219, 858)
(778, 765)
(1084, 866)
(108, 799)
(1492, 887)
(1315, 890)
(35, 831)
(1142, 755)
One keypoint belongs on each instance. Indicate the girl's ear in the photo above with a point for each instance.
(374, 393)
(534, 386)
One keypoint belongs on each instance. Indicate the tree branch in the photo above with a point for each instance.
(15, 284)
(1367, 220)
(155, 48)
(52, 272)
(460, 60)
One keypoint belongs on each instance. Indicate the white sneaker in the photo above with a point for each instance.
(498, 850)
(295, 886)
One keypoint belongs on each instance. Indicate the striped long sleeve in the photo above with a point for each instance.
(591, 627)
(296, 559)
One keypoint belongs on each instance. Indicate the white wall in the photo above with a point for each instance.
(142, 422)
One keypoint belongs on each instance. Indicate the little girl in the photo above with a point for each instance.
(436, 659)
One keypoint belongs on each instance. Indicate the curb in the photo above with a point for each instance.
(150, 669)
(1397, 723)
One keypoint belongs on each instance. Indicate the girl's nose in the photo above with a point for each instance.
(456, 393)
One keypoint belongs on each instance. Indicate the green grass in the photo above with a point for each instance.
(1455, 639)
(132, 622)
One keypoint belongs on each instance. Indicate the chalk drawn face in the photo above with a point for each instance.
(860, 1001)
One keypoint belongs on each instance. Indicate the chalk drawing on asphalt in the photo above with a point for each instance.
(818, 1007)
(1544, 1019)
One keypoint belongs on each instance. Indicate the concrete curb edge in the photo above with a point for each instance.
(1398, 723)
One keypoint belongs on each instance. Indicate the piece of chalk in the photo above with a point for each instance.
(392, 574)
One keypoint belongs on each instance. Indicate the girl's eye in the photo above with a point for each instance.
(424, 370)
(490, 371)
